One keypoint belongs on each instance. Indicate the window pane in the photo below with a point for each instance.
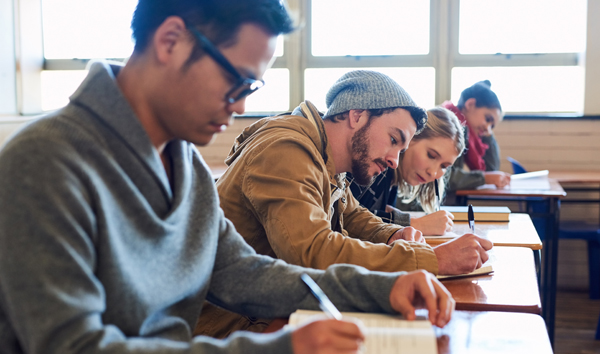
(522, 26)
(279, 48)
(418, 82)
(376, 27)
(527, 89)
(274, 96)
(58, 85)
(87, 28)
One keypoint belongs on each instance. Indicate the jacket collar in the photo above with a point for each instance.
(100, 95)
(309, 111)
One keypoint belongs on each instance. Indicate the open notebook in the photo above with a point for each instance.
(386, 334)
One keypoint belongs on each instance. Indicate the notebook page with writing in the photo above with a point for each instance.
(385, 334)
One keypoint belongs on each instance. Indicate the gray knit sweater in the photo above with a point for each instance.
(100, 254)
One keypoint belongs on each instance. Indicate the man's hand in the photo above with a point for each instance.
(420, 289)
(498, 178)
(408, 233)
(435, 224)
(462, 255)
(328, 336)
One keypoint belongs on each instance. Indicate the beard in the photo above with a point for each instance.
(360, 157)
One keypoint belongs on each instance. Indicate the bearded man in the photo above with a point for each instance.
(286, 193)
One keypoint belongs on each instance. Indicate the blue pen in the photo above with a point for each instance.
(471, 216)
(324, 302)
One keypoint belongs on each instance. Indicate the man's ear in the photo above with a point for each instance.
(357, 118)
(169, 38)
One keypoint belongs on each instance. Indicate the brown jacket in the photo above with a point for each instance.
(282, 194)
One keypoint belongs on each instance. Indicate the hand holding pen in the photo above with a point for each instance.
(436, 223)
(471, 217)
(437, 195)
(328, 335)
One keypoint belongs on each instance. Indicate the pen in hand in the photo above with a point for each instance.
(437, 194)
(324, 303)
(471, 216)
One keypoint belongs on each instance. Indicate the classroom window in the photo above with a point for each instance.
(377, 27)
(529, 49)
(274, 96)
(58, 86)
(87, 29)
(518, 26)
(527, 89)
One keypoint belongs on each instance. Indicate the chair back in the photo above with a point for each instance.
(517, 167)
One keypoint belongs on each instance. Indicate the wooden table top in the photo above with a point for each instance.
(517, 232)
(555, 191)
(511, 287)
(493, 332)
(575, 176)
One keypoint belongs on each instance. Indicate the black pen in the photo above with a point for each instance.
(471, 218)
(437, 194)
(324, 302)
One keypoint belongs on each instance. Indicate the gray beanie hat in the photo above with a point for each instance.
(364, 89)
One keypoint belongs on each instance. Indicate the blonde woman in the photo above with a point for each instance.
(429, 155)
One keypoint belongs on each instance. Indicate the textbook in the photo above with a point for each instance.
(386, 334)
(482, 213)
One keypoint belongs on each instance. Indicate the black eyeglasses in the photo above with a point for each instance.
(243, 85)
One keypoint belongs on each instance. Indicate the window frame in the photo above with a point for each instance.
(443, 54)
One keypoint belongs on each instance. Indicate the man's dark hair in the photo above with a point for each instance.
(218, 20)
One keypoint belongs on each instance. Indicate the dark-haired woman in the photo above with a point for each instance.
(480, 110)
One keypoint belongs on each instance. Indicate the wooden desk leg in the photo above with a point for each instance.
(537, 258)
(550, 259)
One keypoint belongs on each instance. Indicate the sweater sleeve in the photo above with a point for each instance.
(288, 197)
(492, 154)
(464, 180)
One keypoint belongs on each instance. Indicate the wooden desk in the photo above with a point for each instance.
(551, 196)
(518, 232)
(493, 332)
(485, 332)
(512, 287)
(575, 177)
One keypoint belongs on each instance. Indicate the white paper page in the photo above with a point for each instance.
(386, 334)
(541, 173)
(487, 186)
(539, 183)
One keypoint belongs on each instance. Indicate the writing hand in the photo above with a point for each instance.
(462, 255)
(434, 224)
(328, 336)
(498, 178)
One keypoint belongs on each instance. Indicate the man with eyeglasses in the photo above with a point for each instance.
(111, 235)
